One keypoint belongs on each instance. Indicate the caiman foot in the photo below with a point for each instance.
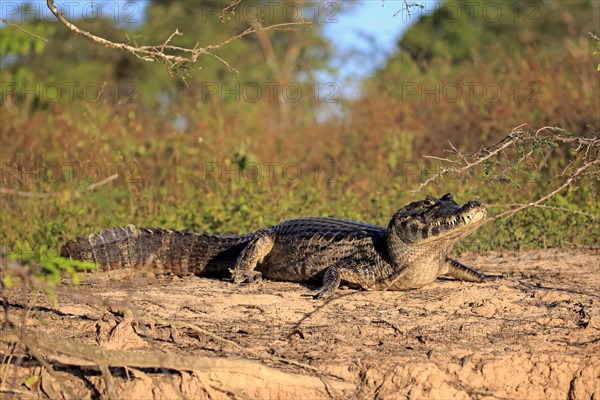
(495, 277)
(461, 271)
(239, 276)
(331, 281)
(322, 293)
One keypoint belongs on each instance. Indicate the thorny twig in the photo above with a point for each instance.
(230, 9)
(554, 208)
(23, 29)
(575, 176)
(585, 148)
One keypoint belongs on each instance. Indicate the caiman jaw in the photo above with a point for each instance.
(436, 219)
(466, 220)
(468, 214)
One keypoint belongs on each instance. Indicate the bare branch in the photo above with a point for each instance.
(506, 142)
(32, 195)
(102, 182)
(23, 29)
(159, 52)
(285, 26)
(408, 7)
(230, 9)
(576, 175)
(584, 163)
(176, 33)
(47, 195)
(441, 159)
(569, 210)
(517, 135)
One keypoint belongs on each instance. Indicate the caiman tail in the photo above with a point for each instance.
(159, 250)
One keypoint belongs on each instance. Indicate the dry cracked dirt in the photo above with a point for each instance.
(533, 335)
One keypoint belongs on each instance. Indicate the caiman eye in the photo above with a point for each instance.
(448, 196)
(430, 200)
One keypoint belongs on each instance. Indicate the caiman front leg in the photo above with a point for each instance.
(350, 272)
(460, 271)
(254, 253)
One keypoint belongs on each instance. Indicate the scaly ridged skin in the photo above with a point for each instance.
(409, 253)
(160, 250)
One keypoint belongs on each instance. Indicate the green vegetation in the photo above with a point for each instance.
(188, 157)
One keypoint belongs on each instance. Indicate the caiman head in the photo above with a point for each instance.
(434, 219)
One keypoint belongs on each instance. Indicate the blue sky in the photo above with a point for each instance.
(364, 36)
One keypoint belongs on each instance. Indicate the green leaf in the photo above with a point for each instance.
(31, 381)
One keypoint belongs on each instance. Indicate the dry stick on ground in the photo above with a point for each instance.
(114, 358)
(26, 275)
(7, 267)
(111, 392)
(158, 52)
(121, 307)
(218, 338)
(588, 148)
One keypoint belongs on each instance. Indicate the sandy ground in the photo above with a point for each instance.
(533, 335)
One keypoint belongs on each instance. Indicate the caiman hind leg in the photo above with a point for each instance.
(253, 254)
(460, 271)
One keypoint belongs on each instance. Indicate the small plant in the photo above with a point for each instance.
(43, 264)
